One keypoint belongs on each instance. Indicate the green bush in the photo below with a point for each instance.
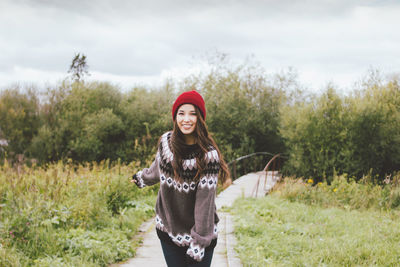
(94, 121)
(100, 137)
(19, 120)
(356, 134)
(315, 136)
(82, 215)
(374, 131)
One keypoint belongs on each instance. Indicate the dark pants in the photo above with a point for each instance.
(176, 256)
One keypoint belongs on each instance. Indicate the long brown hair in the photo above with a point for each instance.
(204, 140)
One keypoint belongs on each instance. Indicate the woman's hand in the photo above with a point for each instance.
(135, 180)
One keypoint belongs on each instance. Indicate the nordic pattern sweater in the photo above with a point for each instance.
(186, 211)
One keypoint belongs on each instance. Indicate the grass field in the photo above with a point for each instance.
(69, 215)
(274, 231)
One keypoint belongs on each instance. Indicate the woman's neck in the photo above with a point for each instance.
(189, 139)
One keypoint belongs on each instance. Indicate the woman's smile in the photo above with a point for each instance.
(187, 126)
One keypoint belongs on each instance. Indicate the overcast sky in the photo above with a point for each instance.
(131, 42)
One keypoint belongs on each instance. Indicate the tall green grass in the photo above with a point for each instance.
(344, 192)
(68, 215)
(276, 232)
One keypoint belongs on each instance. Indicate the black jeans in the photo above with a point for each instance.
(176, 256)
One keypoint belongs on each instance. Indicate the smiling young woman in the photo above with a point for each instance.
(188, 166)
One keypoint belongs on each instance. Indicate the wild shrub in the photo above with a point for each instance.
(82, 215)
(356, 134)
(19, 120)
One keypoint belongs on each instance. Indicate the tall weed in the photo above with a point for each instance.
(343, 192)
(70, 215)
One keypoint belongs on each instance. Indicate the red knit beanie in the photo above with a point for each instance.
(191, 97)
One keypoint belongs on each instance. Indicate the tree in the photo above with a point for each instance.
(19, 119)
(79, 67)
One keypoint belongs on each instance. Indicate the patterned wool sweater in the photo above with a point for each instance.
(186, 211)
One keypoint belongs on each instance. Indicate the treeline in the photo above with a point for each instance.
(92, 121)
(247, 111)
(358, 134)
(82, 122)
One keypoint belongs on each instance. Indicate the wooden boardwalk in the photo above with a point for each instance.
(150, 253)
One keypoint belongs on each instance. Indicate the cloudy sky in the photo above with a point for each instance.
(131, 42)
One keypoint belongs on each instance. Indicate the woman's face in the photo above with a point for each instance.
(186, 118)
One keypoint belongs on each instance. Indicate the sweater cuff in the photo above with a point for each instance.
(140, 182)
(195, 252)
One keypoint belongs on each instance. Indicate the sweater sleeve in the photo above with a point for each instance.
(204, 229)
(149, 176)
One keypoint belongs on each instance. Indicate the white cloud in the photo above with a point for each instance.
(27, 76)
(140, 41)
